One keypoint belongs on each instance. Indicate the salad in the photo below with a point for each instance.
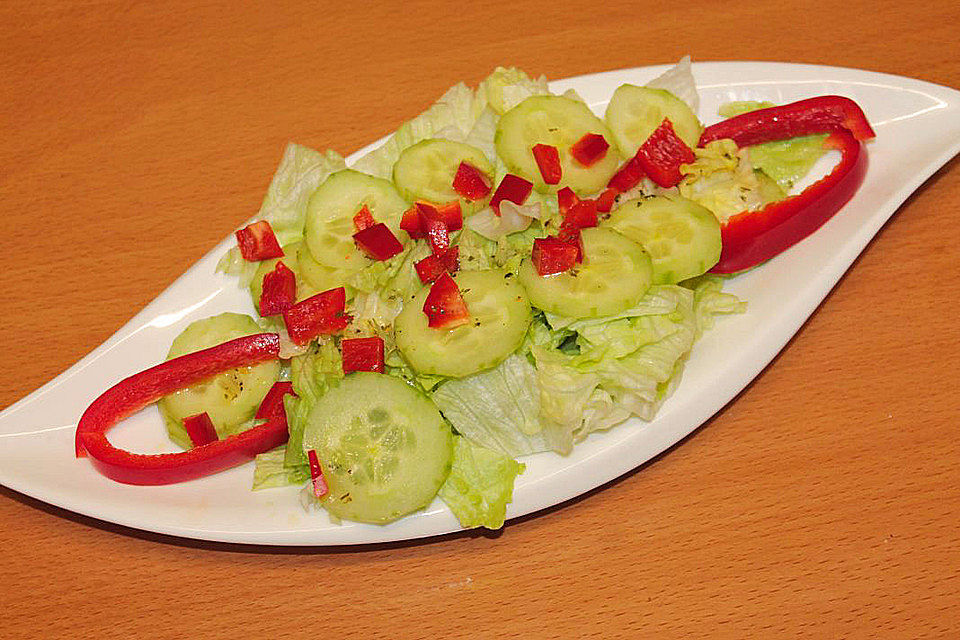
(506, 274)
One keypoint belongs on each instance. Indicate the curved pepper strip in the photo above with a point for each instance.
(139, 390)
(751, 237)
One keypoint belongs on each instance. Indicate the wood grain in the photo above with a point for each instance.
(822, 502)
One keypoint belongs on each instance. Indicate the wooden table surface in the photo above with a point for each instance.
(824, 501)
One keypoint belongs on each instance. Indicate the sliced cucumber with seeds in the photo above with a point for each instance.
(614, 275)
(425, 171)
(499, 317)
(634, 112)
(383, 446)
(682, 237)
(230, 398)
(318, 276)
(560, 122)
(329, 227)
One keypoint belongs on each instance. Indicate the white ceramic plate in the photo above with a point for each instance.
(918, 130)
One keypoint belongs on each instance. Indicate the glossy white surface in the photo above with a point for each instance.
(918, 130)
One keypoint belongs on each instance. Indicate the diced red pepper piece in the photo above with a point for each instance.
(552, 255)
(139, 390)
(548, 161)
(363, 219)
(362, 354)
(663, 153)
(434, 228)
(319, 314)
(606, 200)
(449, 214)
(580, 216)
(590, 149)
(378, 242)
(320, 488)
(627, 177)
(431, 267)
(566, 198)
(470, 182)
(752, 237)
(410, 222)
(512, 188)
(258, 242)
(279, 291)
(200, 429)
(444, 306)
(271, 407)
(823, 114)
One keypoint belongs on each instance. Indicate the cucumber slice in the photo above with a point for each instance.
(560, 122)
(329, 229)
(634, 112)
(383, 446)
(614, 275)
(229, 398)
(425, 171)
(499, 318)
(682, 237)
(320, 277)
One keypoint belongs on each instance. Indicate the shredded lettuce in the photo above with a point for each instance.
(480, 485)
(312, 375)
(271, 471)
(679, 81)
(722, 179)
(505, 88)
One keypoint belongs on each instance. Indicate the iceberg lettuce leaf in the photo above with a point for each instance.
(480, 485)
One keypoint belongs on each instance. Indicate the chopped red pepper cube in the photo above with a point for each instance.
(434, 228)
(628, 176)
(320, 488)
(449, 214)
(139, 390)
(319, 314)
(470, 182)
(444, 306)
(663, 153)
(548, 161)
(363, 219)
(200, 429)
(258, 242)
(378, 242)
(606, 200)
(410, 222)
(362, 354)
(512, 188)
(566, 198)
(279, 291)
(431, 267)
(590, 149)
(271, 407)
(580, 216)
(552, 255)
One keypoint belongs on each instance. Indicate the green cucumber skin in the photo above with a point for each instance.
(384, 448)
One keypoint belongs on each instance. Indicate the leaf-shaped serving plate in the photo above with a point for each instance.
(918, 130)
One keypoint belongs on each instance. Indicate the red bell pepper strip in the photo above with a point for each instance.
(752, 237)
(512, 188)
(320, 488)
(272, 405)
(139, 390)
(200, 429)
(662, 154)
(470, 182)
(363, 219)
(552, 255)
(279, 291)
(548, 161)
(378, 242)
(590, 149)
(627, 177)
(566, 198)
(823, 114)
(410, 222)
(444, 306)
(362, 354)
(316, 315)
(258, 242)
